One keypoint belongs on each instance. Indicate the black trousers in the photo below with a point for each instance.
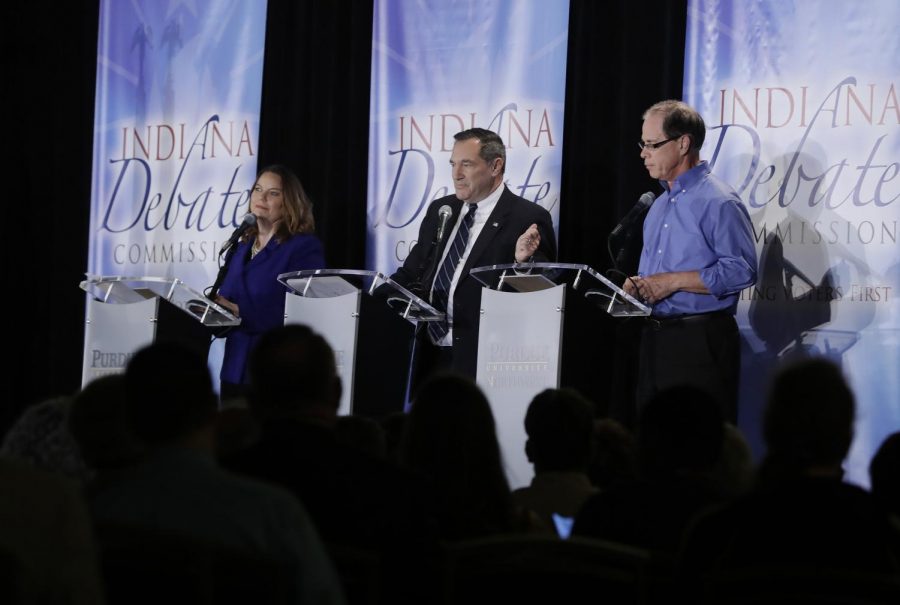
(428, 360)
(696, 350)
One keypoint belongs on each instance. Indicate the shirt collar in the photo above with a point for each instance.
(486, 206)
(690, 178)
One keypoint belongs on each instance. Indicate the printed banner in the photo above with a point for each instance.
(175, 133)
(439, 68)
(801, 104)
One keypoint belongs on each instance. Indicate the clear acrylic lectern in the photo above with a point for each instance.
(125, 314)
(520, 339)
(370, 321)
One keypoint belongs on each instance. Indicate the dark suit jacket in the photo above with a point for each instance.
(496, 244)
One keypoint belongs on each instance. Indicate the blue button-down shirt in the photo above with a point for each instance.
(700, 225)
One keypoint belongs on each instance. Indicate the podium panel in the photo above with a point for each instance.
(113, 333)
(336, 319)
(519, 346)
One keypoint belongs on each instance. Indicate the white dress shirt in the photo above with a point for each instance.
(482, 212)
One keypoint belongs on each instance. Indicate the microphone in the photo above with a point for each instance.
(429, 263)
(249, 221)
(443, 216)
(643, 204)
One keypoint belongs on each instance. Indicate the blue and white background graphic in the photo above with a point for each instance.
(175, 133)
(440, 67)
(800, 98)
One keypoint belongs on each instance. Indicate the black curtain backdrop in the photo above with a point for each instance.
(623, 56)
(49, 70)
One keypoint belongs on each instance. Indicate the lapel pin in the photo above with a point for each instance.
(496, 225)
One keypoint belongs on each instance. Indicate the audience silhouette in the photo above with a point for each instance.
(800, 513)
(679, 444)
(362, 434)
(613, 454)
(99, 422)
(559, 425)
(451, 439)
(884, 473)
(41, 438)
(178, 490)
(355, 499)
(408, 506)
(47, 550)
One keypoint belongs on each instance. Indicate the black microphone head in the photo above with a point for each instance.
(248, 221)
(643, 203)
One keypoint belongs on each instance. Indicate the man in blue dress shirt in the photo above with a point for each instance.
(698, 255)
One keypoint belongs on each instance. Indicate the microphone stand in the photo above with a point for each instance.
(428, 276)
(621, 245)
(220, 277)
(421, 287)
(609, 248)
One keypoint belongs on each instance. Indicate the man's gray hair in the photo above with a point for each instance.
(492, 146)
(679, 119)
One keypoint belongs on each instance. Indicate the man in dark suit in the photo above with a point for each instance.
(488, 225)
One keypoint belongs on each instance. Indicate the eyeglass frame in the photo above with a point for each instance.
(655, 146)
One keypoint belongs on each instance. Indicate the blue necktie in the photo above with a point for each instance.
(440, 293)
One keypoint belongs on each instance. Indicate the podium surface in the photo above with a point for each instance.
(529, 277)
(329, 283)
(125, 290)
(526, 314)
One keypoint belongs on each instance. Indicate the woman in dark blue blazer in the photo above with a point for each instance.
(282, 240)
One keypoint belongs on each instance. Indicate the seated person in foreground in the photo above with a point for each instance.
(559, 423)
(801, 513)
(451, 439)
(355, 499)
(178, 489)
(679, 446)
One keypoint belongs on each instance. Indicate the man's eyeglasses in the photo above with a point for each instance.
(651, 146)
